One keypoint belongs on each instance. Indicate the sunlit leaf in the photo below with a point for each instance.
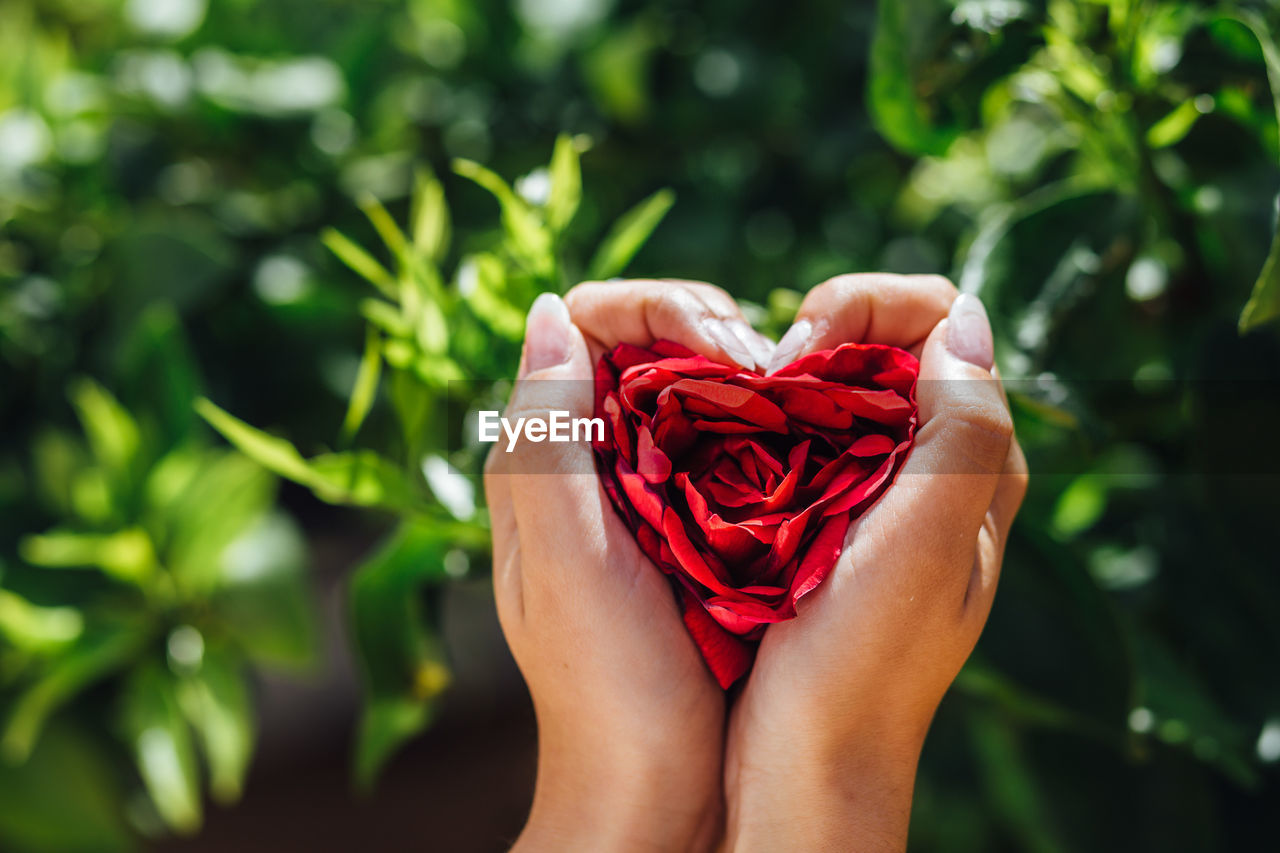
(127, 555)
(112, 432)
(430, 216)
(162, 747)
(274, 454)
(362, 478)
(34, 628)
(382, 222)
(386, 317)
(361, 262)
(1080, 506)
(217, 503)
(1173, 127)
(529, 240)
(437, 372)
(482, 285)
(566, 183)
(264, 602)
(216, 701)
(365, 389)
(900, 114)
(628, 234)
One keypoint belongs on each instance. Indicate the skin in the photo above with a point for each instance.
(819, 750)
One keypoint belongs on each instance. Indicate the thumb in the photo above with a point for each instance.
(954, 469)
(555, 378)
(548, 475)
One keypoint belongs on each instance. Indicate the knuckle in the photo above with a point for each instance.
(669, 303)
(983, 434)
(711, 293)
(838, 292)
(933, 281)
(580, 293)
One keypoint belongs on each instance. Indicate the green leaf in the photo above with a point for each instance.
(265, 603)
(361, 262)
(385, 724)
(616, 70)
(162, 380)
(1079, 506)
(274, 454)
(99, 652)
(977, 274)
(162, 747)
(1012, 788)
(216, 702)
(37, 629)
(126, 555)
(382, 222)
(210, 504)
(400, 657)
(566, 183)
(528, 239)
(361, 478)
(430, 216)
(365, 389)
(112, 432)
(900, 114)
(628, 234)
(1264, 302)
(386, 317)
(482, 284)
(980, 681)
(1173, 127)
(66, 797)
(1184, 712)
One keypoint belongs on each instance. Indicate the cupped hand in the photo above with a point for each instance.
(630, 721)
(824, 739)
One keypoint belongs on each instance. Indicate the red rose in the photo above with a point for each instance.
(740, 486)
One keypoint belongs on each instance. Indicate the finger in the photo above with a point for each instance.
(506, 544)
(877, 308)
(952, 474)
(989, 555)
(556, 498)
(700, 316)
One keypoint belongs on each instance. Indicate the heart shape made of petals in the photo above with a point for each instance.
(741, 487)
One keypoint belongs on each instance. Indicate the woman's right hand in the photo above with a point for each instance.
(824, 740)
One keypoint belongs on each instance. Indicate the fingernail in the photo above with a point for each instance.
(790, 346)
(546, 333)
(760, 347)
(734, 347)
(969, 332)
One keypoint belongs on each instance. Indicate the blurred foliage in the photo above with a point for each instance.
(186, 186)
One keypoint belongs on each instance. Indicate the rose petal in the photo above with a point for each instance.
(727, 657)
(741, 487)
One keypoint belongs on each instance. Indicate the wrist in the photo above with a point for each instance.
(823, 793)
(624, 797)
